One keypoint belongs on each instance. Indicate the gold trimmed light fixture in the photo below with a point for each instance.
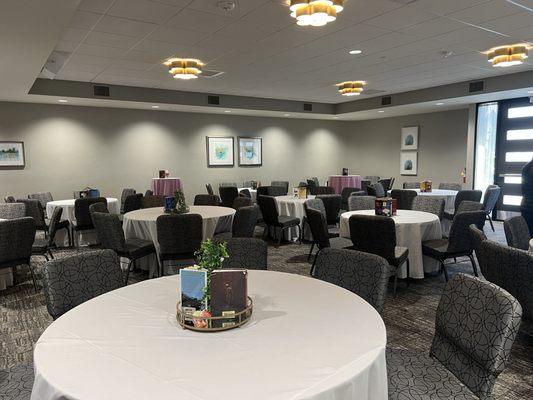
(351, 88)
(507, 56)
(184, 68)
(315, 12)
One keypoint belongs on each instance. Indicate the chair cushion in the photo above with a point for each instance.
(436, 248)
(340, 243)
(416, 376)
(285, 221)
(137, 248)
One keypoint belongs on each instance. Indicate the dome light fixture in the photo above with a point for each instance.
(508, 56)
(184, 68)
(315, 12)
(351, 88)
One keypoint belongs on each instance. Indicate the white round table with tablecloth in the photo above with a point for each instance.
(113, 205)
(293, 207)
(142, 224)
(306, 339)
(412, 228)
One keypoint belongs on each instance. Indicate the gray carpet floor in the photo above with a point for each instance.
(409, 317)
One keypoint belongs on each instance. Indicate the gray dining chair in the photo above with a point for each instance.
(404, 198)
(433, 205)
(490, 198)
(517, 232)
(450, 186)
(16, 382)
(12, 210)
(245, 253)
(356, 203)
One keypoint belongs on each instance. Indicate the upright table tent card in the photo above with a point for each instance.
(193, 284)
(229, 291)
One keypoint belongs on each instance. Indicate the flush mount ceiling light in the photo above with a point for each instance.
(507, 56)
(315, 12)
(355, 52)
(184, 68)
(351, 88)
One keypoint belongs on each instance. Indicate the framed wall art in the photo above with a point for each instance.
(410, 138)
(220, 151)
(409, 163)
(12, 154)
(250, 151)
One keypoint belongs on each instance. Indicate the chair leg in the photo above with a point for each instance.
(280, 236)
(45, 257)
(491, 224)
(395, 283)
(312, 271)
(407, 267)
(311, 251)
(162, 268)
(443, 267)
(128, 272)
(33, 277)
(474, 266)
(51, 255)
(69, 235)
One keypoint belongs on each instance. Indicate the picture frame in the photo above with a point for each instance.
(409, 138)
(220, 151)
(12, 154)
(250, 151)
(409, 163)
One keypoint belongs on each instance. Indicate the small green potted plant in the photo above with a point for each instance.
(210, 257)
(179, 201)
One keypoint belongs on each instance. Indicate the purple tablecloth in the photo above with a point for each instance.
(165, 186)
(339, 182)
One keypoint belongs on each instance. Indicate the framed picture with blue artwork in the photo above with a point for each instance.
(250, 151)
(220, 151)
(12, 154)
(410, 138)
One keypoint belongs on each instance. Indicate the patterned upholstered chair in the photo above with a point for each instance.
(42, 197)
(179, 237)
(245, 193)
(98, 207)
(375, 189)
(12, 210)
(411, 185)
(16, 239)
(125, 193)
(111, 236)
(206, 200)
(152, 201)
(227, 184)
(377, 235)
(243, 225)
(459, 243)
(450, 186)
(433, 205)
(44, 246)
(321, 190)
(371, 178)
(366, 275)
(387, 183)
(517, 232)
(149, 192)
(478, 237)
(227, 195)
(82, 214)
(509, 268)
(209, 189)
(276, 191)
(272, 219)
(71, 281)
(465, 195)
(317, 204)
(345, 195)
(17, 382)
(241, 201)
(332, 204)
(364, 185)
(475, 328)
(245, 253)
(492, 194)
(34, 210)
(404, 198)
(283, 184)
(311, 186)
(247, 184)
(9, 199)
(133, 202)
(356, 203)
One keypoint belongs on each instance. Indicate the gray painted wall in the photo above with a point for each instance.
(68, 148)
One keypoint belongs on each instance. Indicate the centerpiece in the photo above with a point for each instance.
(176, 204)
(213, 299)
(426, 186)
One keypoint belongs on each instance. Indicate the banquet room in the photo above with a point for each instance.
(266, 199)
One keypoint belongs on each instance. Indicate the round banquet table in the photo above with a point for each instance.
(412, 228)
(85, 237)
(142, 224)
(307, 339)
(293, 207)
(339, 182)
(165, 186)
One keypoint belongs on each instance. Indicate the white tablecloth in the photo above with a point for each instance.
(531, 245)
(307, 339)
(253, 193)
(113, 205)
(142, 224)
(294, 207)
(412, 228)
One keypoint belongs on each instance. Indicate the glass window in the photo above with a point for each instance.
(520, 134)
(512, 179)
(520, 112)
(512, 200)
(518, 156)
(485, 153)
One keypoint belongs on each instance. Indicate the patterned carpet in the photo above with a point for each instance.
(409, 317)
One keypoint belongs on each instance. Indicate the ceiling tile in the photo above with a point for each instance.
(110, 39)
(76, 76)
(100, 51)
(199, 21)
(164, 49)
(485, 12)
(97, 6)
(242, 7)
(143, 10)
(122, 26)
(510, 22)
(84, 20)
(358, 11)
(176, 35)
(401, 18)
(74, 35)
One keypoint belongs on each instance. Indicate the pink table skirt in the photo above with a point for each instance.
(339, 182)
(165, 186)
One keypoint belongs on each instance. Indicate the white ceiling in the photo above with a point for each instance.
(264, 54)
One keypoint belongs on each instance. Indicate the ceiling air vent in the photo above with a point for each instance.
(386, 101)
(213, 100)
(308, 107)
(102, 91)
(206, 73)
(477, 86)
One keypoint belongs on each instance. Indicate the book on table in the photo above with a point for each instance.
(229, 292)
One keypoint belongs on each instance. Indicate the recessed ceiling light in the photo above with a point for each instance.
(439, 104)
(227, 111)
(381, 111)
(62, 101)
(155, 106)
(286, 115)
(355, 52)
